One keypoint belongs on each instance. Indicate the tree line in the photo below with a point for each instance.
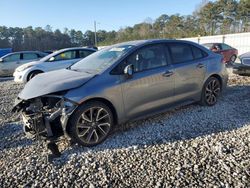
(209, 18)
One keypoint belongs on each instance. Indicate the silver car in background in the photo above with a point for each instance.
(11, 61)
(120, 83)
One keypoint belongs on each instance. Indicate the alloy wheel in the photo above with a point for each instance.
(93, 125)
(212, 91)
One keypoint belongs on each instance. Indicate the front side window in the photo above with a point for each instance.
(29, 56)
(65, 55)
(14, 57)
(148, 58)
(84, 53)
(180, 52)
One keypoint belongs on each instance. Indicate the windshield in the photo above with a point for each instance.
(101, 60)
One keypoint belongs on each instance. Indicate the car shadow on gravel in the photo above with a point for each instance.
(180, 124)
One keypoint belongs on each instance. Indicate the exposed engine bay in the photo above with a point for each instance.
(45, 117)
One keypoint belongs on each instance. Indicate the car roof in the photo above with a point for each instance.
(140, 42)
(152, 41)
(76, 48)
(19, 52)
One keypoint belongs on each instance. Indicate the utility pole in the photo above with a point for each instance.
(95, 34)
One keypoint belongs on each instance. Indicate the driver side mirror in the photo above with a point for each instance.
(1, 60)
(129, 70)
(52, 59)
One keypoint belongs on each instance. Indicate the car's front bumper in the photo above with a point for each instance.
(19, 77)
(241, 69)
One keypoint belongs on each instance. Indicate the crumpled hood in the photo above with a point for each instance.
(22, 67)
(52, 82)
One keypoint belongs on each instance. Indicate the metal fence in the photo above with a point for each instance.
(240, 41)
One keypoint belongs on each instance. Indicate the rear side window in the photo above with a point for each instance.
(198, 53)
(180, 52)
(14, 57)
(84, 53)
(29, 56)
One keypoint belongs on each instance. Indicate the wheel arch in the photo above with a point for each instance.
(32, 71)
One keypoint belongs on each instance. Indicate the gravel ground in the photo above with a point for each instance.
(191, 146)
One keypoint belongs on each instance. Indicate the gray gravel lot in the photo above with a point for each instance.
(191, 146)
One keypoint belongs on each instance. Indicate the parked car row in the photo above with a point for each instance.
(117, 84)
(26, 64)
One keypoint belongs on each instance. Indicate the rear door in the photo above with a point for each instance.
(189, 70)
(28, 57)
(152, 84)
(9, 64)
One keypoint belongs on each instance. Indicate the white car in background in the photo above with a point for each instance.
(11, 61)
(58, 60)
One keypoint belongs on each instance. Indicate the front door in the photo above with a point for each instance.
(152, 83)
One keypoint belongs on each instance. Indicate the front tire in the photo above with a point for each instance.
(91, 124)
(211, 92)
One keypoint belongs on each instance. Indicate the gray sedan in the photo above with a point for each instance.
(11, 61)
(120, 83)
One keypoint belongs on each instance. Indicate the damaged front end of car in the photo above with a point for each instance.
(46, 118)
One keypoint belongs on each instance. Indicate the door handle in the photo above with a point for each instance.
(200, 65)
(167, 74)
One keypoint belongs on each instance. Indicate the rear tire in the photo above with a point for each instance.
(90, 124)
(33, 74)
(210, 92)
